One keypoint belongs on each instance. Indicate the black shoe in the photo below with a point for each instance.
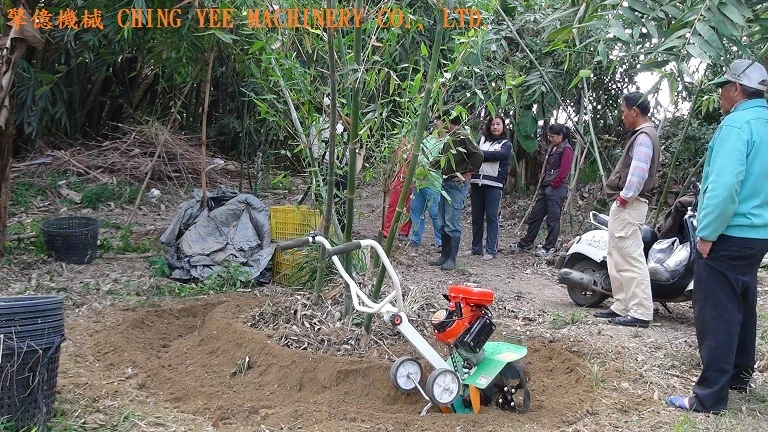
(450, 263)
(445, 251)
(606, 313)
(629, 321)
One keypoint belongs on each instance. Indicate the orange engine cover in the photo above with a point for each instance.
(470, 295)
(466, 305)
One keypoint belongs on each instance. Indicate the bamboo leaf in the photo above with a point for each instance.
(652, 29)
(672, 11)
(675, 39)
(574, 82)
(618, 30)
(709, 35)
(491, 108)
(629, 13)
(556, 34)
(699, 41)
(585, 73)
(672, 81)
(740, 7)
(723, 24)
(697, 52)
(639, 6)
(564, 14)
(733, 13)
(601, 52)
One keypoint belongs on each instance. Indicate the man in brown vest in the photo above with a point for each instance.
(630, 187)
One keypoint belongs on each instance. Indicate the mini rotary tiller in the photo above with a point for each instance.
(476, 373)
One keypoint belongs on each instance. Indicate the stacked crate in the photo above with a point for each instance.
(287, 223)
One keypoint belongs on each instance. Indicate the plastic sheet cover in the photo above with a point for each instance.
(235, 227)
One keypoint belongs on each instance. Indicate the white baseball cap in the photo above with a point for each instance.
(745, 72)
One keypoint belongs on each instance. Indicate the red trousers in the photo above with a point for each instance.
(394, 197)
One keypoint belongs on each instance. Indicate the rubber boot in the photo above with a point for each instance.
(446, 251)
(450, 263)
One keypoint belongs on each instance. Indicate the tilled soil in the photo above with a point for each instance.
(172, 362)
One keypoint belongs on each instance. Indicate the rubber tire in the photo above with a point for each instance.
(590, 298)
(433, 377)
(393, 373)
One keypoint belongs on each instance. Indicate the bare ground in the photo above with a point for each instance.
(134, 361)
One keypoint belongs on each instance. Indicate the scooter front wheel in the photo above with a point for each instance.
(598, 272)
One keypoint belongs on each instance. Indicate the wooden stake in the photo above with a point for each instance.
(160, 145)
(204, 186)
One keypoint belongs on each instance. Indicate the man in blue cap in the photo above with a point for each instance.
(732, 240)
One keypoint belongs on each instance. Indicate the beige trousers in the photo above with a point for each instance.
(627, 267)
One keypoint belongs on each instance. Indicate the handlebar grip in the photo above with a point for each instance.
(344, 248)
(292, 244)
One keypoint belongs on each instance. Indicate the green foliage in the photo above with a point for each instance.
(34, 246)
(525, 131)
(119, 193)
(23, 193)
(560, 321)
(686, 424)
(588, 173)
(763, 327)
(281, 181)
(124, 244)
(158, 266)
(228, 278)
(693, 147)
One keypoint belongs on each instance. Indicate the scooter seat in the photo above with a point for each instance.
(650, 236)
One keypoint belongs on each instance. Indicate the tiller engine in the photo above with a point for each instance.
(466, 325)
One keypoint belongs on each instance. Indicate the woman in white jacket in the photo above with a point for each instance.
(487, 187)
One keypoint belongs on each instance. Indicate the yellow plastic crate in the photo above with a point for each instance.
(284, 267)
(290, 222)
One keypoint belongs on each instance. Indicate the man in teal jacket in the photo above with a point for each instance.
(732, 239)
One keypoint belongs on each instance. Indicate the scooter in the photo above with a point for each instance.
(477, 371)
(584, 268)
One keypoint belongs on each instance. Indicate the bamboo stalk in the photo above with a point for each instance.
(574, 180)
(352, 151)
(415, 152)
(297, 124)
(328, 213)
(695, 169)
(677, 150)
(585, 101)
(206, 100)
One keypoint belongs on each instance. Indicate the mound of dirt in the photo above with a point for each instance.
(185, 356)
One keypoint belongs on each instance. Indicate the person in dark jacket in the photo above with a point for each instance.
(552, 192)
(487, 187)
(459, 159)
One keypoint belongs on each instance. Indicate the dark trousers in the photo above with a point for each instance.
(725, 316)
(485, 208)
(549, 205)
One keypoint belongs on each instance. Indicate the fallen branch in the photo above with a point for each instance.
(127, 256)
(20, 237)
(42, 160)
(92, 173)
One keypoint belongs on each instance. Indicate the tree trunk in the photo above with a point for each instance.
(16, 41)
(6, 151)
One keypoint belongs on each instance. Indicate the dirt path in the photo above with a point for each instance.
(170, 362)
